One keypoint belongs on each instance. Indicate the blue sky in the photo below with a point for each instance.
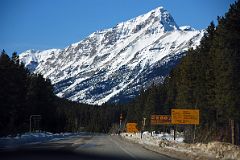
(44, 24)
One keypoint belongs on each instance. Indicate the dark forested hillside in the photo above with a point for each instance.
(23, 94)
(208, 79)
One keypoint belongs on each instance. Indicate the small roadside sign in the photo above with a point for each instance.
(185, 116)
(160, 119)
(131, 127)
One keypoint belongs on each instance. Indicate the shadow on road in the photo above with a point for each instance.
(46, 154)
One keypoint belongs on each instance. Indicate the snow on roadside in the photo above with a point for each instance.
(164, 144)
(27, 138)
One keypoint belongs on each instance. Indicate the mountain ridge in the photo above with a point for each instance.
(114, 64)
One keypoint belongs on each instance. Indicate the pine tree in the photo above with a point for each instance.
(15, 58)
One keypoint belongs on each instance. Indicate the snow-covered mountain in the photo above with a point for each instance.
(114, 64)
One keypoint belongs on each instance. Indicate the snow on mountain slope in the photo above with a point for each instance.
(113, 65)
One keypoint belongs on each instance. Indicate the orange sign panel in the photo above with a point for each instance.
(131, 127)
(160, 119)
(185, 116)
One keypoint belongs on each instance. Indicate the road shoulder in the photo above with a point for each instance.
(164, 148)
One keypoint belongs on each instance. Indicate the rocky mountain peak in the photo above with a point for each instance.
(113, 65)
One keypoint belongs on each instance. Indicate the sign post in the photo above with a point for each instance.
(36, 120)
(174, 132)
(185, 116)
(178, 116)
(120, 120)
(143, 127)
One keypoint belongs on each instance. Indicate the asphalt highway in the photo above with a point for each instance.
(87, 147)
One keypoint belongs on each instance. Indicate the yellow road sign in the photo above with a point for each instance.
(185, 116)
(160, 119)
(131, 127)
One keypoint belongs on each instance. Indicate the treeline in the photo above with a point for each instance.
(208, 79)
(23, 94)
(77, 117)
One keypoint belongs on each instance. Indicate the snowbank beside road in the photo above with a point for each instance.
(164, 144)
(26, 138)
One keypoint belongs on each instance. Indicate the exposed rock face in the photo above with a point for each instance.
(112, 65)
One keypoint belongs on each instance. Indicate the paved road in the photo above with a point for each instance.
(87, 147)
